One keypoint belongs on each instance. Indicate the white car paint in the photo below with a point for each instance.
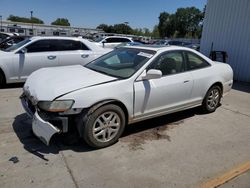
(142, 98)
(116, 40)
(17, 66)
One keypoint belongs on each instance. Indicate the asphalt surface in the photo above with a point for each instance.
(182, 150)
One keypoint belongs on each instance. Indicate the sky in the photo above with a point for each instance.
(91, 13)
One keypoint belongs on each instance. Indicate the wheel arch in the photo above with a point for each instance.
(218, 84)
(87, 111)
(3, 74)
(111, 101)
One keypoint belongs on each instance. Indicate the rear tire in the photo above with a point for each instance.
(104, 126)
(212, 99)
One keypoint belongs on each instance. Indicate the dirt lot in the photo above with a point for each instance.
(181, 150)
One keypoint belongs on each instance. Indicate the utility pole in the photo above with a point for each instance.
(31, 16)
(1, 18)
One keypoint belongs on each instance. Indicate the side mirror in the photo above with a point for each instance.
(22, 51)
(152, 74)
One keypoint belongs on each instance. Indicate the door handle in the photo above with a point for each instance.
(186, 81)
(51, 57)
(84, 55)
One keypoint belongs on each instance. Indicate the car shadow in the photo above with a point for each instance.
(12, 86)
(22, 126)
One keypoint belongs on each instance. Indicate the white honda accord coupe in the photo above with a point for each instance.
(127, 85)
(19, 61)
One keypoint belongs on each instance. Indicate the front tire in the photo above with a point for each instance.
(104, 126)
(212, 99)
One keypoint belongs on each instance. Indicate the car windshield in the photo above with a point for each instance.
(122, 62)
(98, 39)
(18, 45)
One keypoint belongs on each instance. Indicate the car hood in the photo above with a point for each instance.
(50, 83)
(5, 54)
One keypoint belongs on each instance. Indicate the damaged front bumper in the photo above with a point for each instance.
(43, 129)
(45, 125)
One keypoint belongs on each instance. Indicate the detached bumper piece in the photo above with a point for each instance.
(44, 125)
(43, 129)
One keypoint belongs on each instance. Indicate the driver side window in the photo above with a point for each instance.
(170, 63)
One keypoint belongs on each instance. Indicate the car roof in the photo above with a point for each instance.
(54, 37)
(159, 48)
(117, 37)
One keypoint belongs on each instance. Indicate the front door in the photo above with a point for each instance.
(39, 54)
(171, 91)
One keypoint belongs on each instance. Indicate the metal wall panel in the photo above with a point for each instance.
(227, 26)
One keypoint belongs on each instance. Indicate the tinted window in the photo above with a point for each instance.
(175, 43)
(69, 45)
(42, 46)
(170, 63)
(195, 62)
(113, 40)
(124, 40)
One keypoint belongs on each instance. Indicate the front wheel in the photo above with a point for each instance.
(212, 99)
(104, 126)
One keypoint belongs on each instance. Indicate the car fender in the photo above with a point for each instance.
(95, 96)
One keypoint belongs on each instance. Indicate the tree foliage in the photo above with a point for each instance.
(184, 22)
(117, 28)
(25, 20)
(61, 21)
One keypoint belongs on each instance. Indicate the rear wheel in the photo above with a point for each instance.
(104, 126)
(212, 99)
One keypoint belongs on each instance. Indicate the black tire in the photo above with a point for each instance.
(207, 105)
(105, 126)
(2, 80)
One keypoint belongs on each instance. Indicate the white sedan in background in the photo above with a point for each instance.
(127, 85)
(20, 60)
(112, 41)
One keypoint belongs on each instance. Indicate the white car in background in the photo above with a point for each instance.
(127, 85)
(20, 60)
(112, 41)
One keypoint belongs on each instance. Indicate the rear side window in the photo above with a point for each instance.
(70, 45)
(169, 63)
(195, 62)
(42, 46)
(117, 39)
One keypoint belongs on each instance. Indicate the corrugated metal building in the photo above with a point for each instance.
(227, 27)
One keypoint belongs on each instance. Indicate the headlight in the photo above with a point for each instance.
(56, 106)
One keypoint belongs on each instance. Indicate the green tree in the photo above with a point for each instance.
(188, 20)
(106, 28)
(61, 21)
(25, 20)
(122, 29)
(117, 28)
(155, 32)
(166, 25)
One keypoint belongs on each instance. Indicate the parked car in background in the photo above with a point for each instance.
(10, 41)
(129, 44)
(127, 85)
(4, 35)
(194, 46)
(19, 61)
(112, 41)
(169, 42)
